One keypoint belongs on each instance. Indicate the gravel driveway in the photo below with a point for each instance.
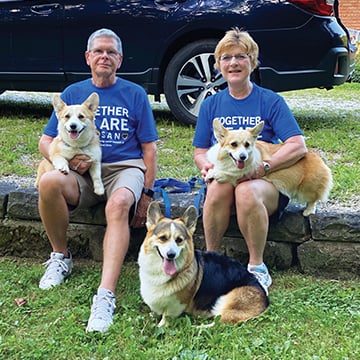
(295, 100)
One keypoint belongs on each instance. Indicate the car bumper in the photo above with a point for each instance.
(334, 69)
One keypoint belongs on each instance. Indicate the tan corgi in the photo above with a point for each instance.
(77, 134)
(238, 153)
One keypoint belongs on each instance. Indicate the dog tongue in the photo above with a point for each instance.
(74, 135)
(169, 267)
(240, 164)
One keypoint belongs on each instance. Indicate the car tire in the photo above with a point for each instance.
(190, 77)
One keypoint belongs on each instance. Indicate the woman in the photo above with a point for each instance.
(243, 104)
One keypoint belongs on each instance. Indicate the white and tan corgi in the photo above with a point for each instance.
(176, 278)
(238, 153)
(77, 134)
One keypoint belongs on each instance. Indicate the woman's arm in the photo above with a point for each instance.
(201, 161)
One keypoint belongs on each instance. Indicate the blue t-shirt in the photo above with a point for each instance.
(261, 105)
(124, 118)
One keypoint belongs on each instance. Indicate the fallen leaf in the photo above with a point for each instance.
(20, 301)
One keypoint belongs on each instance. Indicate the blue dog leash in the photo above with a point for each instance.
(200, 197)
(176, 186)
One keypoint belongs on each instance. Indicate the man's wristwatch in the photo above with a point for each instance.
(266, 167)
(148, 192)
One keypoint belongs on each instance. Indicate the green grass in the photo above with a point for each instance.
(333, 132)
(308, 319)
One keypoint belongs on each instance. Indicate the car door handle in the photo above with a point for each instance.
(45, 9)
(168, 2)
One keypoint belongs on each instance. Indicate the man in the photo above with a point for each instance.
(129, 161)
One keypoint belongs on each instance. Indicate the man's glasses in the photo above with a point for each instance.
(101, 52)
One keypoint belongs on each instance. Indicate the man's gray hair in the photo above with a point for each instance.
(105, 32)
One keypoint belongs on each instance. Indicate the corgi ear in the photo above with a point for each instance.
(220, 131)
(58, 103)
(154, 214)
(92, 102)
(256, 130)
(189, 218)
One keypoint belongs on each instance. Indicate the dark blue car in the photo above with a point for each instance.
(168, 45)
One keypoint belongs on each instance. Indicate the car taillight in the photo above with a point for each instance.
(318, 7)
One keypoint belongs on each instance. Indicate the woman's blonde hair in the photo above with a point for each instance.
(236, 37)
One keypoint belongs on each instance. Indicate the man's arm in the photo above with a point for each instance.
(44, 144)
(150, 159)
(79, 162)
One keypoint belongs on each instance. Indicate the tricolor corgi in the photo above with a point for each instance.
(176, 278)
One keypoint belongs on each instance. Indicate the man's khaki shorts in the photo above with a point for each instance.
(128, 174)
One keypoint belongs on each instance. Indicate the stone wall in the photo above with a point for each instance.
(326, 244)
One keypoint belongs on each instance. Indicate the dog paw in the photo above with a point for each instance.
(64, 169)
(163, 322)
(99, 189)
(309, 210)
(210, 176)
(61, 165)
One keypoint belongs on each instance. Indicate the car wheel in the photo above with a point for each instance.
(190, 78)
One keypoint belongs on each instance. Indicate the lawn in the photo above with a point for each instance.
(309, 318)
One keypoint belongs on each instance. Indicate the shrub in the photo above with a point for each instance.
(356, 75)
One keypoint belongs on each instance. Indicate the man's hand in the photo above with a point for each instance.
(139, 219)
(80, 163)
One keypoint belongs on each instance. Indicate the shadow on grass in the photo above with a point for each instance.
(14, 108)
(39, 110)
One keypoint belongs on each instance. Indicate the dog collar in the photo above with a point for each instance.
(68, 145)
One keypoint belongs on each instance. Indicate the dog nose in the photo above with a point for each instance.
(243, 157)
(73, 126)
(171, 254)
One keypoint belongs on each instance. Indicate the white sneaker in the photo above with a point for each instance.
(58, 268)
(102, 311)
(261, 273)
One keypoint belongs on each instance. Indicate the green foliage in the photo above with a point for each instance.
(308, 319)
(332, 129)
(174, 148)
(356, 76)
(21, 125)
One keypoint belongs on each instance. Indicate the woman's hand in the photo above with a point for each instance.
(202, 162)
(258, 173)
(204, 170)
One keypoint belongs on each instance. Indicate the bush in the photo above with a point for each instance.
(356, 75)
